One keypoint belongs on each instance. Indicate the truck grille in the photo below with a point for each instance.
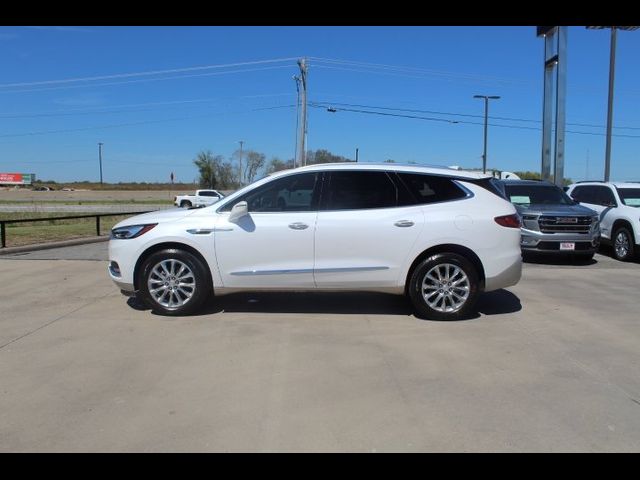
(568, 224)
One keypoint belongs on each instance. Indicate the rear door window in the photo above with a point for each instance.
(355, 190)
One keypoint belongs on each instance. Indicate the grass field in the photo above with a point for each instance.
(18, 234)
(86, 202)
(41, 232)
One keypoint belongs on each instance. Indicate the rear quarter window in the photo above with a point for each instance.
(427, 189)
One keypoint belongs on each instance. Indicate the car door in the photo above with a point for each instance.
(208, 197)
(599, 198)
(363, 235)
(272, 246)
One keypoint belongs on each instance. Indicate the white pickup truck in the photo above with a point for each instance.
(202, 198)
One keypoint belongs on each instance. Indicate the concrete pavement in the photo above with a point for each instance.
(549, 365)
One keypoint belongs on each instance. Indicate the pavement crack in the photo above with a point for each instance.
(51, 322)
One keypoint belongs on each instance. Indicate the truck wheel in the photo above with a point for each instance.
(623, 244)
(185, 204)
(444, 286)
(173, 282)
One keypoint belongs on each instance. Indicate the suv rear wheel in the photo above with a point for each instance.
(623, 244)
(444, 287)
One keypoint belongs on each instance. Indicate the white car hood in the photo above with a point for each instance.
(160, 216)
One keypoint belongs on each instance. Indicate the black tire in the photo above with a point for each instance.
(169, 304)
(442, 311)
(185, 204)
(623, 244)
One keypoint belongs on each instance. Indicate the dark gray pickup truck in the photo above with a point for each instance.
(551, 221)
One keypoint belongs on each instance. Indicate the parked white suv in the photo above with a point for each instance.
(439, 236)
(618, 205)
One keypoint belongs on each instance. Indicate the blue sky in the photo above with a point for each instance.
(154, 124)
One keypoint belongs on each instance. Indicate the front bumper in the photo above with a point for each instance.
(532, 241)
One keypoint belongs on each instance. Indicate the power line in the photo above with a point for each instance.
(388, 114)
(146, 73)
(417, 72)
(461, 121)
(95, 85)
(148, 122)
(463, 114)
(124, 108)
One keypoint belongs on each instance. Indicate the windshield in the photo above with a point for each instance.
(526, 195)
(630, 196)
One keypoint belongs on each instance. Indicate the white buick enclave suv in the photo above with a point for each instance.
(437, 235)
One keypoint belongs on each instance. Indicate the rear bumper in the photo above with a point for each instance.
(508, 277)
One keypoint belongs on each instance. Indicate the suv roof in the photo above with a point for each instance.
(514, 181)
(614, 184)
(392, 167)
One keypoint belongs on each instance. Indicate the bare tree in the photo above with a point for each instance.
(275, 165)
(254, 162)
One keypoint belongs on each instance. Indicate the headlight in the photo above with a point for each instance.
(132, 231)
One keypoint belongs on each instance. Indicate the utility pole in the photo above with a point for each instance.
(301, 160)
(240, 164)
(295, 152)
(357, 154)
(100, 158)
(486, 118)
(612, 68)
(587, 172)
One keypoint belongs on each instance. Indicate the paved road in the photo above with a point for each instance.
(548, 365)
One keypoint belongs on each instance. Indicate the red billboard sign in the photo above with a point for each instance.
(16, 178)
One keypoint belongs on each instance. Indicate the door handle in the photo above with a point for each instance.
(404, 223)
(298, 226)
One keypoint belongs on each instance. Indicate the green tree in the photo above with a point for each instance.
(528, 175)
(324, 156)
(207, 165)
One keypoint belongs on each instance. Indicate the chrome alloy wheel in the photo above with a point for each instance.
(621, 244)
(445, 288)
(171, 283)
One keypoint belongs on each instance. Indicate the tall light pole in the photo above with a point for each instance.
(486, 117)
(100, 158)
(612, 68)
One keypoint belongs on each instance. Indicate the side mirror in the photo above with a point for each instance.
(238, 211)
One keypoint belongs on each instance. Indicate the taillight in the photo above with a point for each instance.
(511, 221)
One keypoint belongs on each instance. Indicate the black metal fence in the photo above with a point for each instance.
(97, 216)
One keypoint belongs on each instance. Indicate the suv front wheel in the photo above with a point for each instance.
(623, 243)
(173, 282)
(444, 287)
